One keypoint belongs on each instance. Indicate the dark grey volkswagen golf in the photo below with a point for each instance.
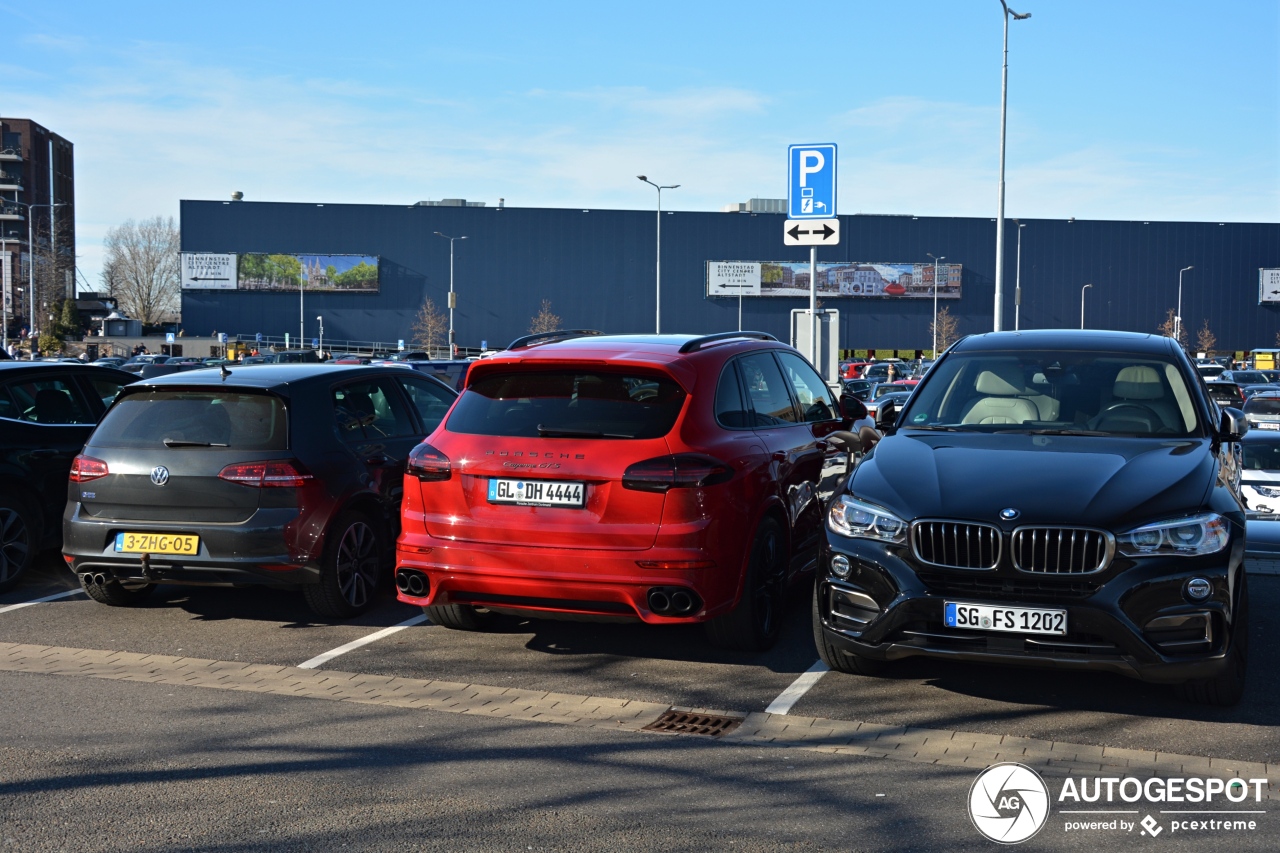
(1050, 498)
(284, 475)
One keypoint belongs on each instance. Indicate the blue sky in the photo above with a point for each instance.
(1118, 109)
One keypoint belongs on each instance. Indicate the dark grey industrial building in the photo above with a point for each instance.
(597, 268)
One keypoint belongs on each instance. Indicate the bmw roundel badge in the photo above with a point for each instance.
(1009, 513)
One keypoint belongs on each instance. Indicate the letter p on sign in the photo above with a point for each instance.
(811, 162)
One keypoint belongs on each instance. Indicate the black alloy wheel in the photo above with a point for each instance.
(349, 570)
(754, 624)
(835, 658)
(18, 545)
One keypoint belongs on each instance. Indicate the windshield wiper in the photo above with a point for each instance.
(178, 442)
(938, 427)
(569, 432)
(1064, 432)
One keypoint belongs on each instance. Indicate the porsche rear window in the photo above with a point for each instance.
(568, 404)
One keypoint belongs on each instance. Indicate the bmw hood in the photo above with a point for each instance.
(1095, 481)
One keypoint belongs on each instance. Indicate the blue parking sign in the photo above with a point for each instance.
(811, 184)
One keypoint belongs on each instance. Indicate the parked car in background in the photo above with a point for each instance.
(852, 369)
(662, 478)
(1244, 377)
(1225, 393)
(284, 475)
(46, 413)
(108, 361)
(1209, 369)
(907, 385)
(452, 373)
(1096, 525)
(896, 399)
(137, 362)
(860, 388)
(1260, 475)
(880, 371)
(1263, 410)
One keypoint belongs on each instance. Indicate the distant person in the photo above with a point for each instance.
(890, 374)
(13, 350)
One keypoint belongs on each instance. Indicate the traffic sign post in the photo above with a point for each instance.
(811, 194)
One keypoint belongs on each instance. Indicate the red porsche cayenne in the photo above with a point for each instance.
(665, 478)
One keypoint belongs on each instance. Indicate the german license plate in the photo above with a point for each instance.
(1012, 620)
(1268, 425)
(157, 543)
(537, 492)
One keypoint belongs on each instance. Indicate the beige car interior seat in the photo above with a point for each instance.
(1002, 402)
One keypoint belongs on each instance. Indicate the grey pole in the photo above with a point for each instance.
(935, 301)
(657, 302)
(1082, 290)
(1004, 105)
(452, 300)
(1177, 321)
(813, 307)
(320, 349)
(1017, 279)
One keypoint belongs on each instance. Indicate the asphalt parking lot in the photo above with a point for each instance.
(673, 666)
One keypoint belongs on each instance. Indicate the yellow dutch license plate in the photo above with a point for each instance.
(157, 543)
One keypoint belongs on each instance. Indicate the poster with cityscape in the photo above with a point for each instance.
(286, 273)
(791, 278)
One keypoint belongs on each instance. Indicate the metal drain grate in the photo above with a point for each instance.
(689, 723)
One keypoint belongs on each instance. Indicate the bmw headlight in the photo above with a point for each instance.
(1184, 537)
(861, 520)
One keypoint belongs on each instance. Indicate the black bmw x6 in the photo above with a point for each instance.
(1057, 499)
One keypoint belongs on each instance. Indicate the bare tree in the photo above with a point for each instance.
(544, 320)
(1170, 323)
(1205, 339)
(946, 331)
(430, 327)
(141, 268)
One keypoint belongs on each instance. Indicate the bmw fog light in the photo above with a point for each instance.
(1198, 589)
(840, 566)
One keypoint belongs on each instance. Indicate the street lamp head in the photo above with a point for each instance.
(642, 177)
(1184, 269)
(1018, 17)
(462, 237)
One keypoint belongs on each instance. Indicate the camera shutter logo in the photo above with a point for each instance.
(1009, 803)
(159, 475)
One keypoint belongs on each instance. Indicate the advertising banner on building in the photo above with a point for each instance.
(791, 278)
(1268, 285)
(323, 273)
(208, 271)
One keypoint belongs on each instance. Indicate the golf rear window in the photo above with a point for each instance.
(216, 418)
(568, 404)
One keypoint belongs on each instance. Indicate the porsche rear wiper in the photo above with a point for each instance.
(570, 432)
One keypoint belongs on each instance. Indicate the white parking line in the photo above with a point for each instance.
(802, 685)
(66, 594)
(363, 641)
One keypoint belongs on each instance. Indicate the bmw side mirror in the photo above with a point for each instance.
(852, 408)
(1234, 424)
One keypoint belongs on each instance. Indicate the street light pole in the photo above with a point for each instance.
(1082, 290)
(1004, 107)
(657, 323)
(320, 320)
(1017, 280)
(1177, 321)
(31, 265)
(452, 300)
(935, 301)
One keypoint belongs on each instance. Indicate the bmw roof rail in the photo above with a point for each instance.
(698, 343)
(547, 337)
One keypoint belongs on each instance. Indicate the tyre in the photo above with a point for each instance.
(19, 542)
(755, 622)
(105, 589)
(350, 568)
(1226, 688)
(459, 617)
(838, 659)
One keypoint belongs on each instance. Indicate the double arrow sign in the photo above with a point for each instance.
(811, 232)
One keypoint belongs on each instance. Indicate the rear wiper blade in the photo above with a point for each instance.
(570, 432)
(177, 442)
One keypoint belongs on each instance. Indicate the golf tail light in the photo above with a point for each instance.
(678, 471)
(1184, 537)
(427, 463)
(280, 474)
(86, 468)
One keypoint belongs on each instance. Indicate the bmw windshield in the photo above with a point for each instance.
(1057, 392)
